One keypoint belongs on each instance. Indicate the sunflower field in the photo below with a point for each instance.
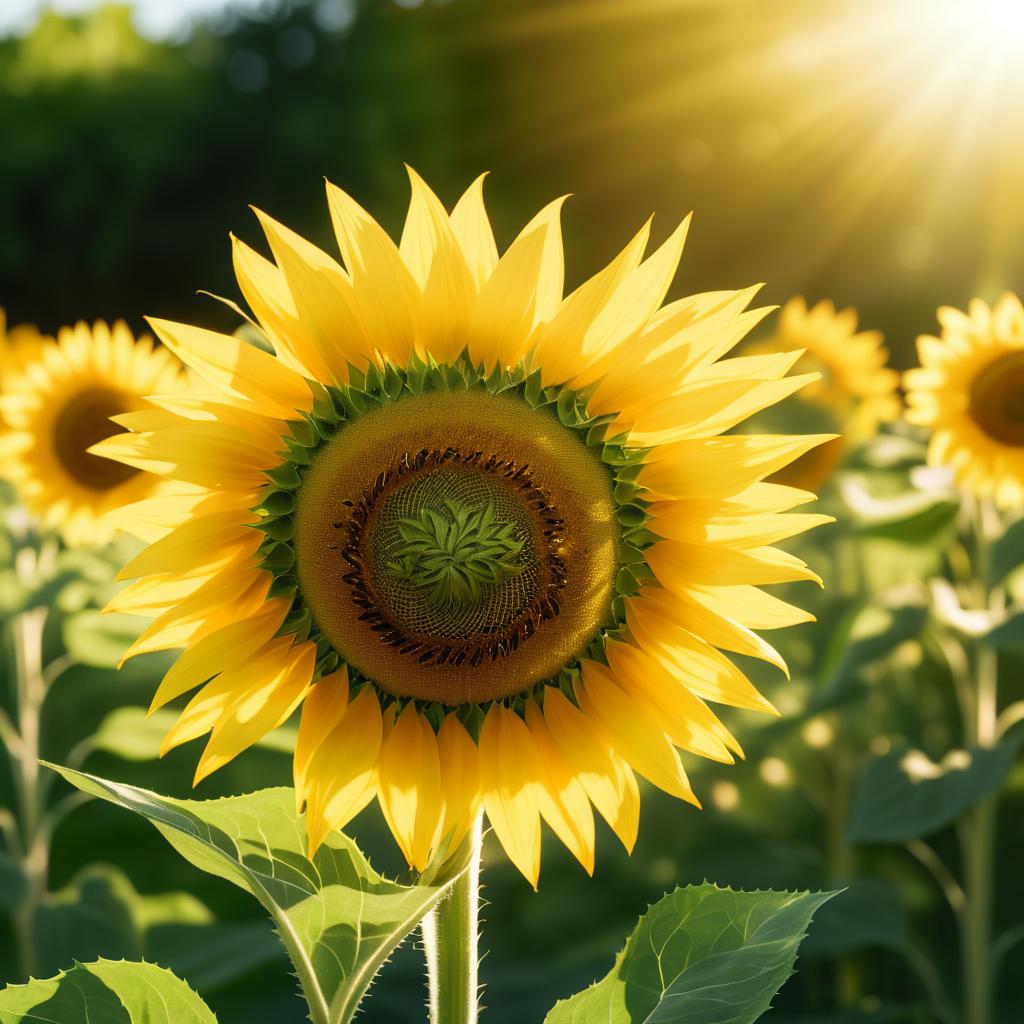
(435, 589)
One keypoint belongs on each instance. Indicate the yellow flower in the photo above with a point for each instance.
(57, 403)
(491, 539)
(856, 391)
(969, 389)
(18, 345)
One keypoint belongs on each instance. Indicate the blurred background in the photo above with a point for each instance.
(868, 151)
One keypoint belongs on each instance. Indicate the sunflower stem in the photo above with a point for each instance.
(451, 934)
(30, 683)
(978, 830)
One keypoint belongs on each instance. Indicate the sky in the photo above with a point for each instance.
(157, 19)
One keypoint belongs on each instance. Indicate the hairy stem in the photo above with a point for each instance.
(31, 689)
(451, 942)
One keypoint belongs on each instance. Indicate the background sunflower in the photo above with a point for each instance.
(969, 390)
(61, 400)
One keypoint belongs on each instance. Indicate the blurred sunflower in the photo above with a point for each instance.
(856, 390)
(18, 345)
(58, 402)
(969, 389)
(489, 538)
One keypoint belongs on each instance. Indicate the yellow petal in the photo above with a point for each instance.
(473, 230)
(322, 711)
(240, 371)
(509, 769)
(433, 254)
(385, 292)
(633, 732)
(562, 345)
(341, 774)
(460, 779)
(218, 651)
(409, 786)
(695, 663)
(261, 708)
(563, 800)
(324, 300)
(687, 721)
(717, 466)
(511, 301)
(630, 306)
(680, 565)
(607, 779)
(265, 289)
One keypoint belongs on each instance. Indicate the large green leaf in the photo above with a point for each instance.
(105, 992)
(1007, 553)
(904, 795)
(700, 955)
(338, 918)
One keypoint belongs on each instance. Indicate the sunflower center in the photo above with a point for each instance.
(997, 400)
(83, 422)
(457, 546)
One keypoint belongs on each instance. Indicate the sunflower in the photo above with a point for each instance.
(969, 389)
(18, 345)
(58, 402)
(492, 540)
(856, 390)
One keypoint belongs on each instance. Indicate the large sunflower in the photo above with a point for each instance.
(58, 402)
(856, 390)
(969, 389)
(492, 540)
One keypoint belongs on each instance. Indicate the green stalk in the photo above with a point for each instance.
(451, 933)
(978, 831)
(30, 683)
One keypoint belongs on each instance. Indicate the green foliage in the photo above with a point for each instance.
(100, 640)
(864, 637)
(106, 991)
(1007, 553)
(701, 955)
(12, 884)
(338, 919)
(1008, 635)
(867, 914)
(903, 795)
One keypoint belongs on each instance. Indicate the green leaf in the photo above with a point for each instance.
(135, 735)
(867, 914)
(913, 516)
(1008, 635)
(701, 955)
(100, 914)
(338, 919)
(100, 640)
(863, 639)
(1007, 553)
(108, 992)
(904, 795)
